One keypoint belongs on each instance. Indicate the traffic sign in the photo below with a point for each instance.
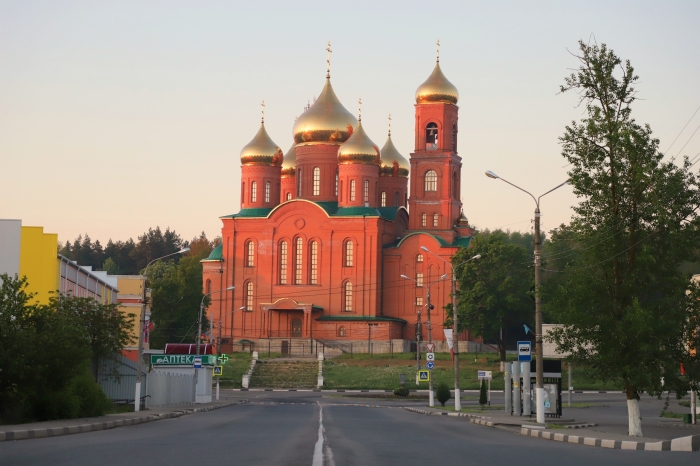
(430, 356)
(423, 376)
(524, 351)
(430, 347)
(218, 370)
(484, 375)
(430, 365)
(197, 362)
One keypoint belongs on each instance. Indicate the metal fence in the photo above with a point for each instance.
(167, 388)
(117, 377)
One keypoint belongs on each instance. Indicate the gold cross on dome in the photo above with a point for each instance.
(328, 60)
(390, 124)
(438, 50)
(262, 108)
(359, 109)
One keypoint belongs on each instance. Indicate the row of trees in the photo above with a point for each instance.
(616, 276)
(50, 354)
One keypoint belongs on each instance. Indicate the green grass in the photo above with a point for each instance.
(234, 369)
(671, 415)
(474, 409)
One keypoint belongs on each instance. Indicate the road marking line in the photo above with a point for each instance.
(318, 449)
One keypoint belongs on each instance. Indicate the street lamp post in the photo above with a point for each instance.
(199, 335)
(455, 327)
(430, 332)
(142, 322)
(539, 390)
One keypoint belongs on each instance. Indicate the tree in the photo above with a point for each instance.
(493, 293)
(483, 397)
(442, 393)
(622, 300)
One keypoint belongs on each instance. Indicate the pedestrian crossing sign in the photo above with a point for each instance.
(218, 370)
(423, 376)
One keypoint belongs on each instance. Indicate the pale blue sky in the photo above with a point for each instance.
(117, 116)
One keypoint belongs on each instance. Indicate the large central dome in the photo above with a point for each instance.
(326, 122)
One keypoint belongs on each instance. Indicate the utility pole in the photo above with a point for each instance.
(419, 327)
(455, 341)
(539, 383)
(430, 340)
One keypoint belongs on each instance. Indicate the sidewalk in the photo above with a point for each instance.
(661, 435)
(110, 421)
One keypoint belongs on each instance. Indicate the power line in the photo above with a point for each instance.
(679, 134)
(686, 142)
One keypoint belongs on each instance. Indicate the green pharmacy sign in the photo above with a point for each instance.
(181, 359)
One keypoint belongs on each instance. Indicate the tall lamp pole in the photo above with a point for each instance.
(430, 331)
(539, 390)
(142, 322)
(199, 332)
(455, 326)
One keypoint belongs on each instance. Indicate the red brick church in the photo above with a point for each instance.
(325, 232)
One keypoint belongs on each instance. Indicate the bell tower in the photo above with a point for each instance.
(434, 202)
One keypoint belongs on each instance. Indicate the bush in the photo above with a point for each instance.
(483, 398)
(442, 393)
(401, 391)
(93, 401)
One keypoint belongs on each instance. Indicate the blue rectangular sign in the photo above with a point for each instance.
(524, 351)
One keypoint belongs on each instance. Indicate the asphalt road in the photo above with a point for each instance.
(310, 429)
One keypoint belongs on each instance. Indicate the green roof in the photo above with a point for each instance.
(216, 255)
(331, 209)
(462, 241)
(361, 319)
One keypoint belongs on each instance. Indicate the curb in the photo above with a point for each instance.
(691, 443)
(445, 413)
(95, 426)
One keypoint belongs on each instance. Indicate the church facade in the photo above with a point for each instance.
(338, 240)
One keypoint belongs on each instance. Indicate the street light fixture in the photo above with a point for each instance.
(539, 390)
(430, 329)
(142, 322)
(455, 327)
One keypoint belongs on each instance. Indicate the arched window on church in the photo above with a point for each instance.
(424, 220)
(347, 295)
(342, 332)
(336, 181)
(313, 253)
(317, 181)
(267, 191)
(289, 196)
(249, 296)
(365, 196)
(298, 261)
(254, 191)
(430, 181)
(349, 253)
(352, 190)
(396, 199)
(283, 262)
(383, 198)
(436, 220)
(419, 258)
(208, 287)
(454, 137)
(249, 254)
(431, 136)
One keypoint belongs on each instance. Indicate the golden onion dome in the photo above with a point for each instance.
(289, 162)
(392, 162)
(261, 150)
(359, 149)
(437, 89)
(326, 121)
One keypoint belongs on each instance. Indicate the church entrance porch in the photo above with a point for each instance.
(288, 319)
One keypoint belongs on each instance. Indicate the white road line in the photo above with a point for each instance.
(318, 450)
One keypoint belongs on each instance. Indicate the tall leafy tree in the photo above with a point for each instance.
(494, 291)
(623, 302)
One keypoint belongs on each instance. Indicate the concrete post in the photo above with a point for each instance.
(516, 388)
(571, 385)
(507, 387)
(527, 409)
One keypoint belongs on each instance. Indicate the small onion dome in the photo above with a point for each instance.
(462, 220)
(261, 150)
(437, 89)
(326, 121)
(289, 162)
(359, 149)
(392, 162)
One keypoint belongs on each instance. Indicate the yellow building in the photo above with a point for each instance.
(130, 299)
(38, 262)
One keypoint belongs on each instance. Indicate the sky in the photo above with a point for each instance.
(117, 116)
